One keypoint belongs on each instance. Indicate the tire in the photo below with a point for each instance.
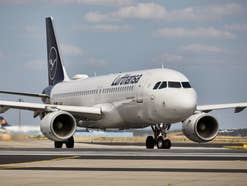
(58, 144)
(167, 144)
(70, 143)
(160, 142)
(150, 142)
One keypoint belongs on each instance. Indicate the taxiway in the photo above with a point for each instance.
(36, 162)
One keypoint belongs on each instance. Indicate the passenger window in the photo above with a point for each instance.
(156, 85)
(163, 85)
(186, 85)
(173, 84)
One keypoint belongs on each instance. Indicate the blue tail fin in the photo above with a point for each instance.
(3, 122)
(56, 70)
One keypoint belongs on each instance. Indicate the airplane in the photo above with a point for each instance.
(5, 127)
(128, 100)
(3, 123)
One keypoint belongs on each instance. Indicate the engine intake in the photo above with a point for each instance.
(58, 125)
(200, 127)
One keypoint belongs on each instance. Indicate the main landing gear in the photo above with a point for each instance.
(159, 139)
(69, 143)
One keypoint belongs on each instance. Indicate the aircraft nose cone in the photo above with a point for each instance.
(183, 104)
(186, 103)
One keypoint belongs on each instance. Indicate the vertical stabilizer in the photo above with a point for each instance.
(3, 122)
(56, 70)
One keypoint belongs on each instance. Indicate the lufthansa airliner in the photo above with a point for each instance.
(128, 100)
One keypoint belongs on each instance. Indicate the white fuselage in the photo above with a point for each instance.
(129, 100)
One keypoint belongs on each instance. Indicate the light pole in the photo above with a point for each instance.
(20, 100)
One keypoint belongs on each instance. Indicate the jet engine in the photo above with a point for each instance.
(58, 125)
(200, 127)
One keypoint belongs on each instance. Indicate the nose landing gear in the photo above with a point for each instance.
(159, 139)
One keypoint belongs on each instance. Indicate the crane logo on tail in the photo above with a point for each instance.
(53, 59)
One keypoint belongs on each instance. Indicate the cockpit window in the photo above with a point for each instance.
(173, 84)
(186, 85)
(156, 85)
(163, 85)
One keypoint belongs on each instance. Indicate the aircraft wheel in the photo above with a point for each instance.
(150, 142)
(58, 144)
(160, 142)
(167, 144)
(70, 142)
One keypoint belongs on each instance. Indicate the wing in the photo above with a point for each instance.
(238, 107)
(85, 112)
(25, 94)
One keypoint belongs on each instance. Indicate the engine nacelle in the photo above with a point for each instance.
(58, 125)
(200, 127)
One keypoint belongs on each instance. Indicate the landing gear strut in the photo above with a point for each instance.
(69, 143)
(160, 132)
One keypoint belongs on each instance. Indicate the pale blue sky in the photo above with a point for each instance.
(205, 40)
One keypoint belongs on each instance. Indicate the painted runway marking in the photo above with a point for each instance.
(18, 160)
